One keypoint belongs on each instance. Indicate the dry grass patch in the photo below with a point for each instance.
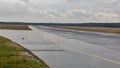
(96, 29)
(15, 27)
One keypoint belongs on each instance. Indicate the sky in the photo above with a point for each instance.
(60, 11)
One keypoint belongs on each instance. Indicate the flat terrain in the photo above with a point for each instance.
(70, 49)
(13, 55)
(61, 48)
(14, 27)
(95, 29)
(81, 49)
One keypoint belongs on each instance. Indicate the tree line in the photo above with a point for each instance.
(113, 25)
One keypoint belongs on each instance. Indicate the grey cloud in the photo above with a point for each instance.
(26, 1)
(7, 9)
(60, 10)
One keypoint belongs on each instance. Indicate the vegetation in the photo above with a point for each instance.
(96, 29)
(15, 27)
(14, 56)
(113, 25)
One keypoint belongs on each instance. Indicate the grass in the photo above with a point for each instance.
(15, 27)
(14, 56)
(95, 29)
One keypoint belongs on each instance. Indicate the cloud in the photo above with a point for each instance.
(7, 8)
(60, 10)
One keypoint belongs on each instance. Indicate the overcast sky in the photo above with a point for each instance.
(60, 10)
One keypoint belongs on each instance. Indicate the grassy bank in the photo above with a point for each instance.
(95, 29)
(14, 56)
(15, 27)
